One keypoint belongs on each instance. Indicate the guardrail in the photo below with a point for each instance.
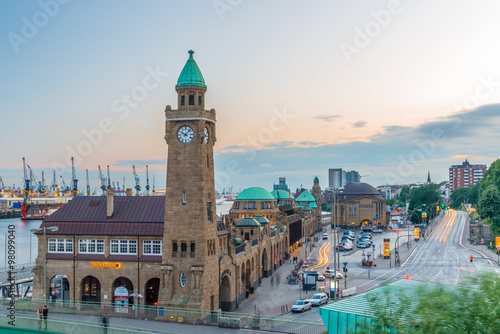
(159, 313)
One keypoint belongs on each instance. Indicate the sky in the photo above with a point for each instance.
(392, 89)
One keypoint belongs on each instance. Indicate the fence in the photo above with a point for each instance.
(178, 315)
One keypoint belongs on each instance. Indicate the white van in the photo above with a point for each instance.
(325, 236)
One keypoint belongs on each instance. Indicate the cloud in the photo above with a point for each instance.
(266, 165)
(359, 124)
(140, 163)
(327, 118)
(400, 154)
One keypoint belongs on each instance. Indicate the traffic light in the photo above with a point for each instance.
(462, 204)
(407, 277)
(471, 258)
(417, 233)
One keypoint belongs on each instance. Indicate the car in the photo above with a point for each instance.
(367, 241)
(377, 230)
(319, 299)
(348, 237)
(363, 244)
(325, 236)
(346, 241)
(301, 305)
(349, 232)
(345, 246)
(321, 277)
(330, 272)
(364, 234)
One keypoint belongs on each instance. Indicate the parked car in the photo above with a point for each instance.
(330, 272)
(350, 237)
(377, 230)
(321, 277)
(364, 234)
(301, 305)
(363, 244)
(349, 232)
(346, 240)
(325, 236)
(365, 240)
(345, 246)
(319, 299)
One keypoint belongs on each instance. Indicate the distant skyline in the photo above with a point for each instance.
(391, 89)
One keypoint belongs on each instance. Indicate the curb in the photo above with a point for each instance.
(490, 260)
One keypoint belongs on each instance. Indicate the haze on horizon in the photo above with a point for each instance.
(389, 88)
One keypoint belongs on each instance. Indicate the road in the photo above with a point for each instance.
(440, 258)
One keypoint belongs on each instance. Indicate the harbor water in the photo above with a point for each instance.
(23, 236)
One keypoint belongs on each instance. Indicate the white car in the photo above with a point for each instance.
(319, 299)
(330, 272)
(301, 305)
(321, 277)
(325, 236)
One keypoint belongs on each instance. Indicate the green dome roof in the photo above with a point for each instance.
(191, 74)
(261, 219)
(283, 194)
(316, 179)
(247, 222)
(255, 194)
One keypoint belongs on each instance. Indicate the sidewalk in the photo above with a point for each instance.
(481, 249)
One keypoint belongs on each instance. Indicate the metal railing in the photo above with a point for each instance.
(240, 248)
(164, 314)
(255, 242)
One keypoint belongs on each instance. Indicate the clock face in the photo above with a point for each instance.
(206, 135)
(185, 134)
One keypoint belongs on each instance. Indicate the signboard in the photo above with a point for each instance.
(121, 299)
(108, 265)
(417, 233)
(387, 248)
(497, 242)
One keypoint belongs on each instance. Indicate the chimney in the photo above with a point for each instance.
(129, 192)
(110, 195)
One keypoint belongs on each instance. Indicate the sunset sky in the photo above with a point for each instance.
(391, 89)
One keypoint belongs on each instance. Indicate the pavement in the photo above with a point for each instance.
(484, 252)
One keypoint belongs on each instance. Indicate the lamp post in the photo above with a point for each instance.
(53, 229)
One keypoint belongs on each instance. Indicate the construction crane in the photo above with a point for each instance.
(123, 184)
(137, 182)
(88, 185)
(43, 188)
(54, 184)
(153, 185)
(27, 188)
(103, 181)
(109, 180)
(147, 180)
(65, 189)
(75, 181)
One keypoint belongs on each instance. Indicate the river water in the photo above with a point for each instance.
(23, 235)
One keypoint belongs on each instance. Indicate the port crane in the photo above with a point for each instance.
(137, 182)
(153, 185)
(65, 189)
(147, 180)
(27, 188)
(88, 185)
(109, 180)
(1, 185)
(75, 181)
(43, 188)
(103, 181)
(54, 184)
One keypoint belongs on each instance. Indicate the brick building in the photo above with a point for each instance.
(465, 175)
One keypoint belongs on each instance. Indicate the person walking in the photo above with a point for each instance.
(272, 281)
(45, 313)
(39, 315)
(105, 323)
(278, 279)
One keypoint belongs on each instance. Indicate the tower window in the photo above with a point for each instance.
(192, 249)
(183, 249)
(199, 100)
(174, 249)
(191, 100)
(209, 211)
(183, 100)
(183, 198)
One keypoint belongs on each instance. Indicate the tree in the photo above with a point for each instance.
(492, 176)
(326, 207)
(425, 196)
(459, 196)
(490, 201)
(470, 308)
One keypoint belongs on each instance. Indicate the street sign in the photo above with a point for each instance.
(345, 264)
(482, 240)
(373, 246)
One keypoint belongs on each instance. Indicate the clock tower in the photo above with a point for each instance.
(190, 258)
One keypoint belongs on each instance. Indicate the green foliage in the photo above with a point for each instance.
(326, 207)
(442, 309)
(490, 201)
(475, 215)
(492, 176)
(405, 194)
(458, 196)
(425, 195)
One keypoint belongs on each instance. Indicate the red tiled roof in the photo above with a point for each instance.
(136, 209)
(132, 215)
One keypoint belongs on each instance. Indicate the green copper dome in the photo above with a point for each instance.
(247, 222)
(255, 194)
(191, 74)
(316, 179)
(281, 194)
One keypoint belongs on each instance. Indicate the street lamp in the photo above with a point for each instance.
(53, 229)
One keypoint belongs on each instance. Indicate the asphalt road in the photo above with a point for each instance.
(440, 258)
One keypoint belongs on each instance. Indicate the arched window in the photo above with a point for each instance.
(245, 205)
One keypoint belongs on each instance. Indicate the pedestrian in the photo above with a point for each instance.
(105, 323)
(39, 315)
(45, 315)
(278, 279)
(272, 281)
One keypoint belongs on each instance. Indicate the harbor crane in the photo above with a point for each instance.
(137, 182)
(147, 180)
(109, 180)
(88, 185)
(103, 181)
(43, 188)
(65, 189)
(1, 185)
(75, 181)
(54, 184)
(153, 185)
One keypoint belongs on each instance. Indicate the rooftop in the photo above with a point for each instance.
(191, 74)
(255, 194)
